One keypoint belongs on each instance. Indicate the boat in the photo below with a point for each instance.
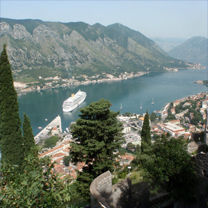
(121, 106)
(141, 106)
(74, 101)
(152, 102)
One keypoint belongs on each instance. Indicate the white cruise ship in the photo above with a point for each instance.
(74, 101)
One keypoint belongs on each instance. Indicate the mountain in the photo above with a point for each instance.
(38, 48)
(168, 44)
(194, 49)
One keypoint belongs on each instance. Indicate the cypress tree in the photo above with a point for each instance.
(10, 131)
(28, 137)
(145, 134)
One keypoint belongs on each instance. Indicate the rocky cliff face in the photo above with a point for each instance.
(37, 48)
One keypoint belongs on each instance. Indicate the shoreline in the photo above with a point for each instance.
(79, 83)
(22, 88)
(167, 105)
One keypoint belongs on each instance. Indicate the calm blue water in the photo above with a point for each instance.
(162, 87)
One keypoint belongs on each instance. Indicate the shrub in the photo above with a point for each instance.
(115, 180)
(66, 160)
(50, 142)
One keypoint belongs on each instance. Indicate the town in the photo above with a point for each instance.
(56, 82)
(185, 118)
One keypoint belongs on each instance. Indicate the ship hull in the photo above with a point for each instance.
(69, 108)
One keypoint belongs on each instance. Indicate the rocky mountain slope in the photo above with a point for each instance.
(38, 48)
(194, 49)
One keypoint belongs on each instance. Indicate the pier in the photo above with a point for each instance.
(54, 125)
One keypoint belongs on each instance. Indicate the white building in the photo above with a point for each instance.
(173, 129)
(126, 129)
(204, 104)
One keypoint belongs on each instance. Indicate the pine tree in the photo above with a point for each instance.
(98, 136)
(28, 137)
(145, 134)
(10, 131)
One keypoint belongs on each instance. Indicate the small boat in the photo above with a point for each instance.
(152, 102)
(141, 106)
(121, 106)
(39, 127)
(46, 119)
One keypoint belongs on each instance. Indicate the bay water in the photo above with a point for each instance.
(42, 107)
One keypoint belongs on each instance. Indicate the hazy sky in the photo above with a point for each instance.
(173, 18)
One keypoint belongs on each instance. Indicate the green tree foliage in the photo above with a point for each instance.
(10, 131)
(153, 116)
(133, 148)
(169, 166)
(122, 174)
(50, 142)
(82, 184)
(37, 186)
(130, 147)
(145, 134)
(98, 136)
(170, 116)
(66, 160)
(28, 137)
(127, 114)
(197, 116)
(122, 151)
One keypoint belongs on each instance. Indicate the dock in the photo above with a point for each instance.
(54, 125)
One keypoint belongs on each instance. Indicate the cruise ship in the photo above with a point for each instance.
(74, 101)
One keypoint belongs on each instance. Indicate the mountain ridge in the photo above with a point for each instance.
(38, 48)
(193, 49)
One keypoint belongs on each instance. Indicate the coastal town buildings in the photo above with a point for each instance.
(56, 81)
(141, 121)
(174, 129)
(132, 125)
(176, 122)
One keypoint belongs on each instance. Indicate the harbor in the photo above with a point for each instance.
(54, 127)
(132, 94)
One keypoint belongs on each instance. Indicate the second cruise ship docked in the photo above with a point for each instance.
(74, 101)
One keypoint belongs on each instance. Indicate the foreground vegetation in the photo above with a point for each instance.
(167, 166)
(29, 181)
(36, 186)
(25, 179)
(97, 135)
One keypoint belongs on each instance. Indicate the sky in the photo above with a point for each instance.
(171, 18)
